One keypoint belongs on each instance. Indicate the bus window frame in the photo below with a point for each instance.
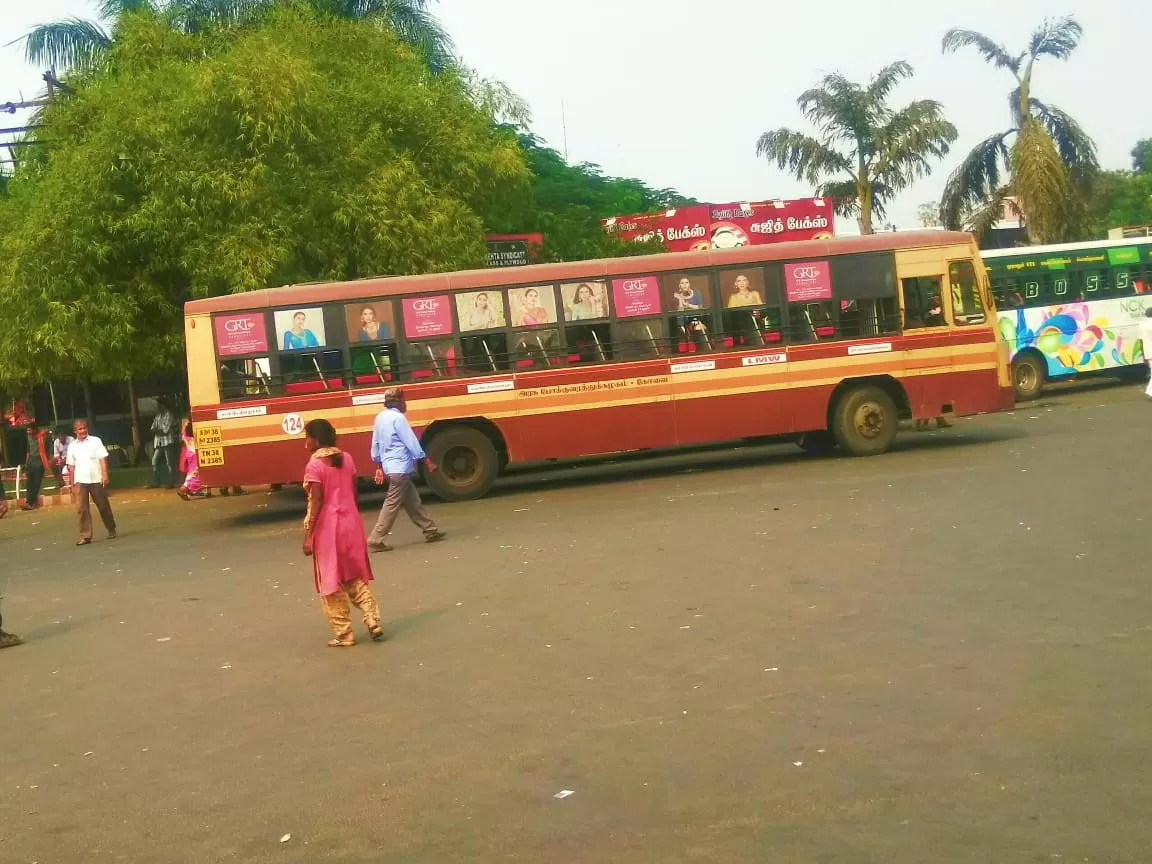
(709, 314)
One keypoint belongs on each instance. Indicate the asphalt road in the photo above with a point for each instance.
(938, 655)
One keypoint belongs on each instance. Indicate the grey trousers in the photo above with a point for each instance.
(401, 494)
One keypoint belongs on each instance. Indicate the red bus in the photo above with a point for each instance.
(829, 342)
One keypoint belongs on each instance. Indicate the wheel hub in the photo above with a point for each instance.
(869, 419)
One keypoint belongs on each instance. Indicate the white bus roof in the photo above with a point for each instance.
(1064, 247)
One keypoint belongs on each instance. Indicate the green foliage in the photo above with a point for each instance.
(78, 45)
(568, 202)
(194, 164)
(1142, 156)
(865, 152)
(1118, 199)
(1044, 161)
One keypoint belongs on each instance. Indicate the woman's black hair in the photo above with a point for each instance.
(188, 429)
(324, 434)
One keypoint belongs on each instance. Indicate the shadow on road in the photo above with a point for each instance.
(285, 506)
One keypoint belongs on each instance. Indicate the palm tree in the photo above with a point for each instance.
(78, 45)
(1039, 161)
(865, 152)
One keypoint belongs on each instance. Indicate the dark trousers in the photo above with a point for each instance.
(100, 495)
(35, 474)
(165, 462)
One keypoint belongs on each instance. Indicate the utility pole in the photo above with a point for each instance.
(564, 128)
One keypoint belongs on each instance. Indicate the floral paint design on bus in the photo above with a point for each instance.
(1078, 337)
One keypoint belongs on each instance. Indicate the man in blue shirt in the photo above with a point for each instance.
(396, 450)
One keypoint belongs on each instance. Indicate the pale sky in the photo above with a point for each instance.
(676, 93)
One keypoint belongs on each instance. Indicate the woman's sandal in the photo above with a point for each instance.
(341, 643)
(377, 633)
(83, 542)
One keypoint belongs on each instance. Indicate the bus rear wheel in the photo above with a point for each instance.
(1027, 376)
(865, 421)
(466, 464)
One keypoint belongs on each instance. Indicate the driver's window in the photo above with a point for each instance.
(923, 302)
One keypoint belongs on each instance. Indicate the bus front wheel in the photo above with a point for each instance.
(865, 421)
(466, 464)
(1027, 376)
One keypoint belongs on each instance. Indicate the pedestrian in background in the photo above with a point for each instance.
(60, 455)
(1146, 338)
(166, 446)
(395, 450)
(36, 464)
(88, 460)
(334, 536)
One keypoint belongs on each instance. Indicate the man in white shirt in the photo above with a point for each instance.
(89, 463)
(1146, 337)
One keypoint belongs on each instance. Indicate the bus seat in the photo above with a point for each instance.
(422, 373)
(729, 342)
(825, 332)
(313, 386)
(773, 336)
(527, 363)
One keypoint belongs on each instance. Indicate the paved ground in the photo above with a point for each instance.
(936, 655)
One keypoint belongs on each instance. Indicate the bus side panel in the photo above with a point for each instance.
(200, 351)
(719, 398)
(587, 411)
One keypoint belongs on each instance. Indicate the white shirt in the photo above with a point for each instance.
(84, 457)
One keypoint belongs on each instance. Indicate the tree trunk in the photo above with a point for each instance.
(864, 201)
(137, 450)
(87, 388)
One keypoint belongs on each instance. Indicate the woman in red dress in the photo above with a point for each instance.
(334, 537)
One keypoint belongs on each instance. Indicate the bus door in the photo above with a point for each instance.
(927, 349)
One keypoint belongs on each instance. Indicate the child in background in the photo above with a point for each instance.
(190, 465)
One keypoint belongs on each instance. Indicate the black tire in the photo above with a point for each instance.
(466, 464)
(820, 441)
(1028, 374)
(865, 420)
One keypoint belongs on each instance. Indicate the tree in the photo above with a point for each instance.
(1121, 198)
(568, 201)
(928, 214)
(1043, 160)
(78, 45)
(194, 164)
(864, 152)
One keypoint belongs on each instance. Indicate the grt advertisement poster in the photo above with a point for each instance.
(807, 281)
(427, 316)
(726, 226)
(241, 334)
(638, 295)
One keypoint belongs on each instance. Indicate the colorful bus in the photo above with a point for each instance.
(828, 342)
(1071, 308)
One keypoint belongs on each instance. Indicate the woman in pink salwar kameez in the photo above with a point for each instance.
(334, 536)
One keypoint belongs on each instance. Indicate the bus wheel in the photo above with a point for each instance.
(820, 441)
(865, 421)
(466, 464)
(1027, 376)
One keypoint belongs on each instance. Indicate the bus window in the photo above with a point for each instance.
(811, 322)
(641, 339)
(967, 305)
(922, 302)
(485, 354)
(1007, 294)
(373, 365)
(1058, 288)
(689, 297)
(1127, 281)
(589, 343)
(242, 379)
(860, 319)
(312, 371)
(750, 297)
(536, 349)
(432, 359)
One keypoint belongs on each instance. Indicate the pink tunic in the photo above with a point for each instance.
(339, 547)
